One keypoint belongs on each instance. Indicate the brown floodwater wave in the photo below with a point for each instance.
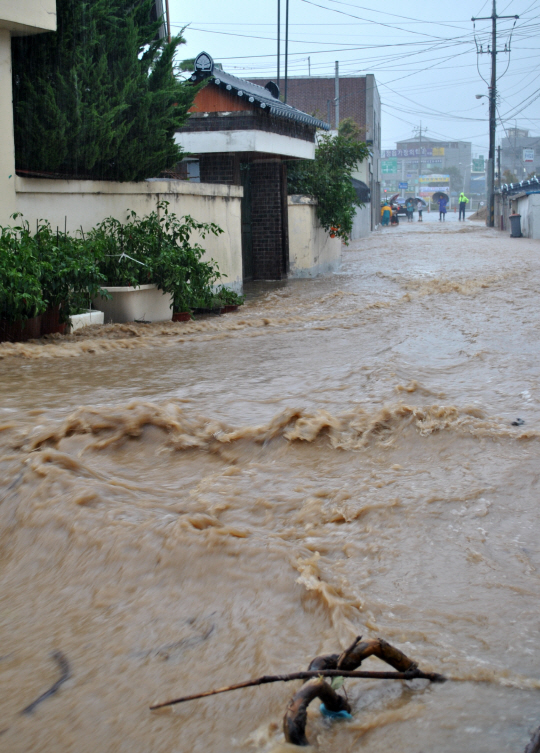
(162, 550)
(192, 505)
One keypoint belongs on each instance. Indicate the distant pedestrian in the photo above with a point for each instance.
(442, 209)
(420, 209)
(463, 201)
(410, 211)
(386, 214)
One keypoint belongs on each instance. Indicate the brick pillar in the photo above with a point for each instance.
(220, 168)
(267, 221)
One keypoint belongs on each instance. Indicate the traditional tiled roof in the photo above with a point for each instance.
(532, 185)
(263, 96)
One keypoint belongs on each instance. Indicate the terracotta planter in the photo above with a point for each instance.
(13, 332)
(50, 321)
(181, 316)
(229, 308)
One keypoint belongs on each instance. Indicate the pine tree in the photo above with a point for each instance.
(98, 98)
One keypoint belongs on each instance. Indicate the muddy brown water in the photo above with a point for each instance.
(185, 506)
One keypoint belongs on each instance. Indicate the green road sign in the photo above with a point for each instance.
(389, 165)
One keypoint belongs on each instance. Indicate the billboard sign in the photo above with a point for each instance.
(439, 180)
(436, 151)
(528, 155)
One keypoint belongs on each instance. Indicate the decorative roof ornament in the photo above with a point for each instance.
(203, 63)
(273, 89)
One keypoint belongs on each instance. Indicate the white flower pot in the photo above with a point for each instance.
(144, 303)
(83, 320)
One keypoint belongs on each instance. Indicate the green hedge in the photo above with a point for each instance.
(48, 267)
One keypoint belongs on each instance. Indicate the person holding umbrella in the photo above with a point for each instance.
(443, 201)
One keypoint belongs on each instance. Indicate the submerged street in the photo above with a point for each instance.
(189, 505)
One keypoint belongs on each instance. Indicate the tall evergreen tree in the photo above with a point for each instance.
(98, 98)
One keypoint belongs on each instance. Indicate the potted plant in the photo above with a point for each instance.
(154, 256)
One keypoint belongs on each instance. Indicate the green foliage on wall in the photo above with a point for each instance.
(328, 179)
(98, 98)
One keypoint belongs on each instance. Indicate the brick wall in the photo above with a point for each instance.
(312, 94)
(246, 121)
(268, 222)
(219, 168)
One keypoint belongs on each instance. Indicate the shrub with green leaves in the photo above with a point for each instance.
(157, 249)
(49, 268)
(21, 294)
(44, 269)
(328, 179)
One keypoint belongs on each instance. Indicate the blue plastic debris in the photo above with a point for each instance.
(334, 714)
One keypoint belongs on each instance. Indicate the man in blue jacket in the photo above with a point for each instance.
(442, 209)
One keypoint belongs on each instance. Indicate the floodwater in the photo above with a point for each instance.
(185, 506)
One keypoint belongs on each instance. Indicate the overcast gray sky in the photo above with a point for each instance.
(423, 55)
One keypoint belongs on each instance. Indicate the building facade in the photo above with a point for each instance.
(243, 134)
(406, 167)
(520, 153)
(355, 97)
(16, 19)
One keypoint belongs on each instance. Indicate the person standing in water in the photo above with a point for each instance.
(410, 211)
(442, 209)
(420, 207)
(463, 201)
(386, 214)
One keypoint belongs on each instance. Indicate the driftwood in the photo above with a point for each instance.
(310, 674)
(65, 671)
(534, 745)
(327, 665)
(344, 664)
(294, 722)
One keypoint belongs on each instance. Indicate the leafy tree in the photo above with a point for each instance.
(349, 129)
(509, 177)
(98, 98)
(328, 179)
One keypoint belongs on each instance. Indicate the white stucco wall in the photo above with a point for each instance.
(28, 16)
(261, 142)
(311, 249)
(85, 203)
(529, 209)
(7, 145)
(362, 222)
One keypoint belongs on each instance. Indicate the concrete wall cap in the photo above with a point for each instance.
(149, 188)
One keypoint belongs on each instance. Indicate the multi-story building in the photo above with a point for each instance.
(520, 153)
(357, 98)
(424, 156)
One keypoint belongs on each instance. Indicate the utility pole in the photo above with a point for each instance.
(490, 220)
(336, 94)
(420, 157)
(168, 21)
(420, 153)
(278, 42)
(499, 166)
(286, 48)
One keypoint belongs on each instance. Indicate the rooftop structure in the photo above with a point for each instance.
(243, 134)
